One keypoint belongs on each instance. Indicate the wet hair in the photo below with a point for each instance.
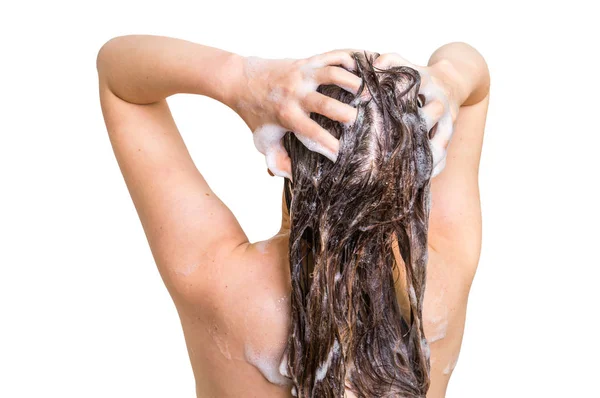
(347, 327)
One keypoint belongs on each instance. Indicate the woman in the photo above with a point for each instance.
(252, 321)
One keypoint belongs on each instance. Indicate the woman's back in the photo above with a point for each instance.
(236, 331)
(236, 328)
(232, 296)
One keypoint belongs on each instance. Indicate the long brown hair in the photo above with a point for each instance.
(347, 326)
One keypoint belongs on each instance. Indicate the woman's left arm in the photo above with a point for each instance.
(185, 223)
(187, 226)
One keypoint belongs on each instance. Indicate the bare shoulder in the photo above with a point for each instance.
(247, 293)
(236, 277)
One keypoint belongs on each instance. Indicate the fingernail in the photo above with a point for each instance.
(329, 154)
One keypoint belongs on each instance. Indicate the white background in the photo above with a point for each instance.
(83, 312)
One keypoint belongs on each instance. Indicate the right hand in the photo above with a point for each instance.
(440, 106)
(276, 96)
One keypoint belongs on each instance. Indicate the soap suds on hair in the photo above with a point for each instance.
(337, 277)
(425, 346)
(323, 208)
(432, 92)
(324, 367)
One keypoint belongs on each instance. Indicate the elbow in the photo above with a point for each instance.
(472, 65)
(102, 60)
(478, 64)
(107, 54)
(104, 55)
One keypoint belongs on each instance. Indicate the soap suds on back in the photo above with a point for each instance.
(267, 365)
(187, 269)
(283, 366)
(450, 366)
(283, 303)
(438, 327)
(262, 246)
(436, 313)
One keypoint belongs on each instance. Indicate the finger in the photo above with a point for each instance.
(268, 140)
(278, 161)
(336, 57)
(362, 53)
(431, 113)
(329, 107)
(340, 77)
(390, 60)
(313, 136)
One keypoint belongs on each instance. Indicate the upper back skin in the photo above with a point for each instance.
(233, 296)
(235, 307)
(236, 334)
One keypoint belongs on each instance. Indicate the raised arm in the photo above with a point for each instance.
(187, 226)
(147, 69)
(455, 222)
(185, 223)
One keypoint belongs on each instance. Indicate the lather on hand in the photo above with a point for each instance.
(278, 95)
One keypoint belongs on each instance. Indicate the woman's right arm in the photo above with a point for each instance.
(463, 65)
(455, 220)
